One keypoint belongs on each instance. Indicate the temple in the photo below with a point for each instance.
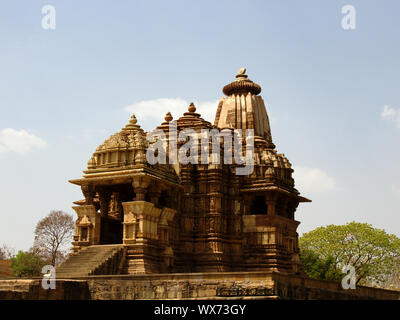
(189, 210)
(144, 218)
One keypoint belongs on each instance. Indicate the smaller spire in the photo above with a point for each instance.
(132, 125)
(192, 108)
(168, 117)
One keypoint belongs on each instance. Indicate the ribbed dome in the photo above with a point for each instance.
(241, 85)
(123, 148)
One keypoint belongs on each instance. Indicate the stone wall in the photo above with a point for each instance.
(233, 285)
(25, 289)
(205, 286)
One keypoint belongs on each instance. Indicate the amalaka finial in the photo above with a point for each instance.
(241, 85)
(191, 108)
(168, 117)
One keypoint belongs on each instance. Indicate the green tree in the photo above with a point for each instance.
(27, 263)
(393, 280)
(372, 252)
(320, 268)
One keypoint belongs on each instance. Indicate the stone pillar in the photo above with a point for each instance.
(146, 215)
(292, 206)
(154, 196)
(141, 235)
(89, 193)
(140, 185)
(165, 238)
(284, 208)
(90, 219)
(270, 200)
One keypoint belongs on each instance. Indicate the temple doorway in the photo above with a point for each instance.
(112, 212)
(111, 230)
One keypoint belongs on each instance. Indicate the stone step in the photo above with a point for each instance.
(87, 260)
(15, 289)
(19, 285)
(22, 289)
(85, 257)
(84, 264)
(84, 261)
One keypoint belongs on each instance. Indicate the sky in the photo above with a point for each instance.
(332, 94)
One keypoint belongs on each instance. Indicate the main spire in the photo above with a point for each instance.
(243, 108)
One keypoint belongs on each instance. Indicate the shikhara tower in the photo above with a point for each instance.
(142, 218)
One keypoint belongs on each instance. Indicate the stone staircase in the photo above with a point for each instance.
(98, 259)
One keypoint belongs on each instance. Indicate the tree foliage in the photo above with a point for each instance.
(320, 268)
(372, 252)
(27, 264)
(52, 233)
(393, 279)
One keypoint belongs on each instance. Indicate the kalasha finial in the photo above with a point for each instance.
(133, 119)
(132, 125)
(241, 74)
(168, 117)
(191, 108)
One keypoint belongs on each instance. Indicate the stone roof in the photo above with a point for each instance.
(126, 147)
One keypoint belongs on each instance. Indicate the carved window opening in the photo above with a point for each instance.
(84, 234)
(258, 205)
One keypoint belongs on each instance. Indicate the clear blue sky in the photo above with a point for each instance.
(325, 90)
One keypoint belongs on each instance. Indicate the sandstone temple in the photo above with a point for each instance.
(194, 229)
(193, 217)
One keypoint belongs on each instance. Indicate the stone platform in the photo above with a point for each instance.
(202, 286)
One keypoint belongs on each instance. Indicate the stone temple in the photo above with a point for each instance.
(193, 217)
(191, 230)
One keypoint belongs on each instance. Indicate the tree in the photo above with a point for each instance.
(393, 280)
(27, 264)
(320, 268)
(372, 252)
(6, 252)
(52, 233)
